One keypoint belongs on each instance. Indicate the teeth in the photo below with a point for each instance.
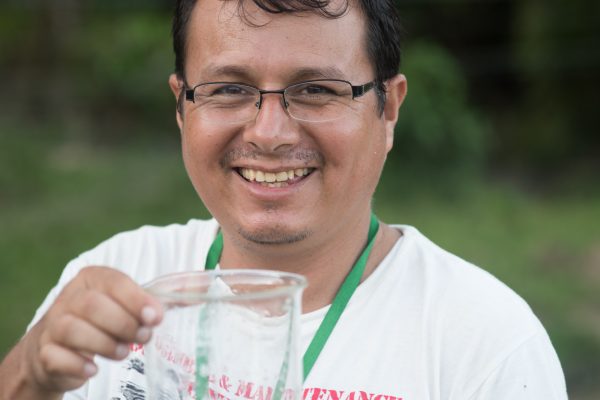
(259, 176)
(282, 176)
(272, 178)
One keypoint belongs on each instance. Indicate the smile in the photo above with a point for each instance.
(274, 179)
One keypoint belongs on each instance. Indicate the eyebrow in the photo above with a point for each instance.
(229, 71)
(243, 74)
(317, 73)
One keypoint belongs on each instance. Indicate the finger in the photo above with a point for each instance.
(65, 368)
(126, 292)
(109, 316)
(79, 335)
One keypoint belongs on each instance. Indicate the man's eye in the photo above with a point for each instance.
(230, 90)
(318, 89)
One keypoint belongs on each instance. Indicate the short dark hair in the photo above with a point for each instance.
(383, 31)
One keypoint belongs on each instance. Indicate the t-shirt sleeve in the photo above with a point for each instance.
(531, 371)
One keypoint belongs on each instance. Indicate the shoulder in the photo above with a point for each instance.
(473, 321)
(451, 283)
(170, 235)
(143, 254)
(531, 371)
(149, 251)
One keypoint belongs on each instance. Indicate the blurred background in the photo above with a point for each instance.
(497, 154)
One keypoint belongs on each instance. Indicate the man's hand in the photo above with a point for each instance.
(100, 312)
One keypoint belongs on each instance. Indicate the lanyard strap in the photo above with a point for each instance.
(339, 303)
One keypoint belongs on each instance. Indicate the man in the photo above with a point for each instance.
(287, 112)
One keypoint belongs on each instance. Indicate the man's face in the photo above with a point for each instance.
(343, 157)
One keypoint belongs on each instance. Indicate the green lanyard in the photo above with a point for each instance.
(339, 302)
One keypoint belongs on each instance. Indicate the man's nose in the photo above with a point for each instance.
(273, 129)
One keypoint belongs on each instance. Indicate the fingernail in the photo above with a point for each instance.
(90, 369)
(121, 351)
(143, 334)
(148, 315)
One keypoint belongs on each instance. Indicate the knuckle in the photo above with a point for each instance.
(86, 272)
(121, 327)
(47, 360)
(121, 284)
(88, 301)
(127, 328)
(92, 275)
(65, 328)
(104, 346)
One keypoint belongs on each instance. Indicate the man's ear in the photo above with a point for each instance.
(395, 93)
(177, 89)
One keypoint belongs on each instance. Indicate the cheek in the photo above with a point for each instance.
(200, 158)
(356, 144)
(201, 143)
(355, 151)
(193, 155)
(200, 151)
(191, 162)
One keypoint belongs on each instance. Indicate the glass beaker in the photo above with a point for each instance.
(226, 334)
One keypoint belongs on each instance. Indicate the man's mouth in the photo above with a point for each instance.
(274, 179)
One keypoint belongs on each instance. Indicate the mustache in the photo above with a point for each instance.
(302, 154)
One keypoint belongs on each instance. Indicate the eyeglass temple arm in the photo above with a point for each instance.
(189, 94)
(359, 90)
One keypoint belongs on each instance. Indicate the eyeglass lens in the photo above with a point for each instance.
(313, 101)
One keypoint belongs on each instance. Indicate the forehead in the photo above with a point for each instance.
(273, 48)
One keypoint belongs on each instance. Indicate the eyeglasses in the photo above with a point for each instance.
(317, 100)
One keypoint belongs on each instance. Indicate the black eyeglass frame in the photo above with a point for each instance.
(357, 90)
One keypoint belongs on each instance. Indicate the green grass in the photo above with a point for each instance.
(59, 199)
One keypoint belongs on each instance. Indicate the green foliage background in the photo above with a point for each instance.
(496, 155)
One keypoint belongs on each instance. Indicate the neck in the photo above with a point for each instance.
(325, 261)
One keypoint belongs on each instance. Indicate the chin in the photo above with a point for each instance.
(277, 235)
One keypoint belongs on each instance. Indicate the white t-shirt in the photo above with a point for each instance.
(424, 325)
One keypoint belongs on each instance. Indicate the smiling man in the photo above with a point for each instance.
(287, 112)
(290, 180)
